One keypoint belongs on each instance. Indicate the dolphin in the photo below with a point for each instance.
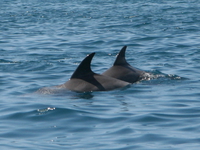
(123, 70)
(85, 80)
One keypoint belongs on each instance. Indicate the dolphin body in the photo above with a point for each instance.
(123, 70)
(85, 80)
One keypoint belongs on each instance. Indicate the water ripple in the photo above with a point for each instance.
(43, 42)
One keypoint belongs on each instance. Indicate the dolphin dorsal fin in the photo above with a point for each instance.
(84, 67)
(121, 60)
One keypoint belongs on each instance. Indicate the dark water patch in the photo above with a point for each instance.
(190, 128)
(86, 95)
(178, 116)
(150, 138)
(149, 119)
(123, 131)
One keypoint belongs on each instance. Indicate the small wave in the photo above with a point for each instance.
(51, 90)
(155, 74)
(46, 109)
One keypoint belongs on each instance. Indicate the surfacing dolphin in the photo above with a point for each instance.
(123, 70)
(85, 80)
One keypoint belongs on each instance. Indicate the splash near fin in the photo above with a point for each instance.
(84, 67)
(120, 60)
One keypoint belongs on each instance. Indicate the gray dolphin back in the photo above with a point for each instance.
(85, 80)
(122, 70)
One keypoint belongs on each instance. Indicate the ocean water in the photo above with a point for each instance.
(42, 43)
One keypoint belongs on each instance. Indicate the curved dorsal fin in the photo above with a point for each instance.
(121, 60)
(84, 67)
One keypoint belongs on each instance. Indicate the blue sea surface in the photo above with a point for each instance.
(42, 43)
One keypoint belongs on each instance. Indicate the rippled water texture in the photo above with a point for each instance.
(42, 43)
